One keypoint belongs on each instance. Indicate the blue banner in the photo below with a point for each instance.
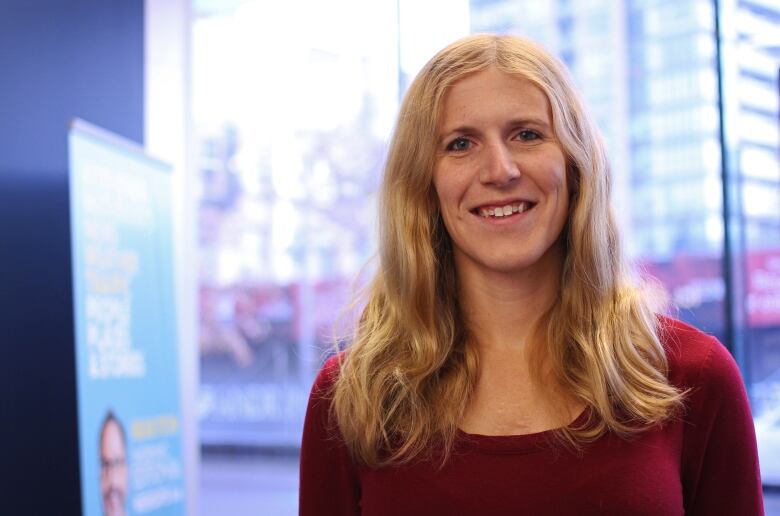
(125, 320)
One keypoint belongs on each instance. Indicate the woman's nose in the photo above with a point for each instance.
(498, 166)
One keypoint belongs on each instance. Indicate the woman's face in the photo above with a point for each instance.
(500, 174)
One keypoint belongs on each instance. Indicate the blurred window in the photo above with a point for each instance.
(293, 105)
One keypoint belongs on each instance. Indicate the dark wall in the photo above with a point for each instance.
(58, 59)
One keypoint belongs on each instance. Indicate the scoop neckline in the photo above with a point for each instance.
(517, 443)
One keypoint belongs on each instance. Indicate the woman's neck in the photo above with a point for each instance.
(516, 385)
(500, 309)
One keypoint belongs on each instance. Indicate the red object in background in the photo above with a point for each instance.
(691, 281)
(763, 293)
(694, 281)
(329, 299)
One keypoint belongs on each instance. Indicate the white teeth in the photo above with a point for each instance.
(504, 211)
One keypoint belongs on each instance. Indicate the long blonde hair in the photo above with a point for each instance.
(406, 378)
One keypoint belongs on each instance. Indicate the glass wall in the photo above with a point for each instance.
(750, 61)
(294, 102)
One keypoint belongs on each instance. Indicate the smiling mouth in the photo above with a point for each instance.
(495, 212)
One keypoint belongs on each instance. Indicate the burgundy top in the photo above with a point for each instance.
(703, 463)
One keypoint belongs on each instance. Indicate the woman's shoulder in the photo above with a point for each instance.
(328, 374)
(319, 405)
(696, 359)
(718, 444)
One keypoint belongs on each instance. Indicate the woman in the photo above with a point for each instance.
(504, 363)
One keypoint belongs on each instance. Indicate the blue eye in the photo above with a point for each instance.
(528, 135)
(459, 144)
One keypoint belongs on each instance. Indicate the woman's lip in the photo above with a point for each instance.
(501, 204)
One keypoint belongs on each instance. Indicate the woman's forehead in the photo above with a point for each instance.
(492, 92)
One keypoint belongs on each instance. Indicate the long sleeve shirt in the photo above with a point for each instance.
(702, 463)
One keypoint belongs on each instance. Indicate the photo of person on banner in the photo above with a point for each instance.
(113, 465)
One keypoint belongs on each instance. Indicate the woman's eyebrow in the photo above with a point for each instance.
(530, 120)
(462, 129)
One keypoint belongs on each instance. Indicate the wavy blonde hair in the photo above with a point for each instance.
(406, 378)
